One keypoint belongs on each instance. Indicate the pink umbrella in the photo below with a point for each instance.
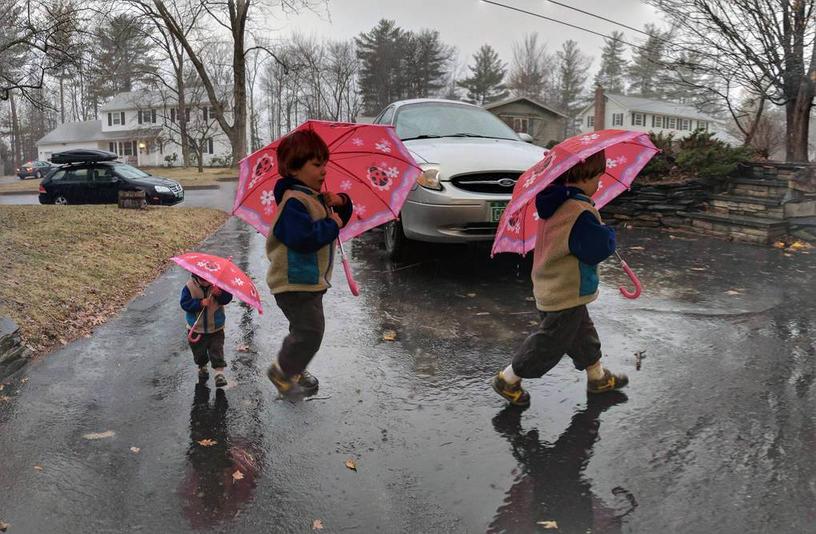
(221, 273)
(366, 161)
(627, 152)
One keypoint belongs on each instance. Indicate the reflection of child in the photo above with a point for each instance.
(300, 248)
(571, 242)
(197, 296)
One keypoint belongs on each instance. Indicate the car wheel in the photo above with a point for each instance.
(38, 175)
(397, 246)
(60, 200)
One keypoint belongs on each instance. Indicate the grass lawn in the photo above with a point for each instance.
(187, 176)
(66, 269)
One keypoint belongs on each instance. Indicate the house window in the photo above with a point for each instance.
(172, 114)
(657, 121)
(702, 125)
(205, 113)
(521, 125)
(147, 116)
(686, 124)
(117, 118)
(210, 146)
(672, 123)
(591, 121)
(617, 119)
(638, 119)
(112, 147)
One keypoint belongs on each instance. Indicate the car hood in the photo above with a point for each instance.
(468, 155)
(153, 180)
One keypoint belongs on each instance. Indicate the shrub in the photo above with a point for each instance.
(217, 161)
(664, 161)
(703, 155)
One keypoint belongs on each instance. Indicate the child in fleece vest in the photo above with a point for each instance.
(571, 242)
(300, 248)
(204, 304)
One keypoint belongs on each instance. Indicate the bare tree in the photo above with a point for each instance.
(766, 46)
(532, 69)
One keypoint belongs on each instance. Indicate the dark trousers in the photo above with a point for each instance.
(210, 348)
(304, 310)
(570, 332)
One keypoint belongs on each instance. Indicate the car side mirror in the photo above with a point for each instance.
(527, 138)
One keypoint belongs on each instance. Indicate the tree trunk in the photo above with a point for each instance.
(200, 151)
(752, 129)
(15, 134)
(62, 100)
(238, 135)
(182, 118)
(798, 125)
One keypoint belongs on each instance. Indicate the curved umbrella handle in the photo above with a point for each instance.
(192, 335)
(633, 277)
(355, 290)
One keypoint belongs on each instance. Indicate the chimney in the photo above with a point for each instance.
(600, 108)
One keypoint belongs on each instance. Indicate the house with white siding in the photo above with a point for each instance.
(643, 114)
(143, 129)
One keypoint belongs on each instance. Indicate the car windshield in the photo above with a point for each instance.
(126, 171)
(439, 119)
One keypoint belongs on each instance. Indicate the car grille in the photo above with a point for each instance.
(176, 189)
(494, 182)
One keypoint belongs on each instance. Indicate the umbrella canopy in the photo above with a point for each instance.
(222, 273)
(627, 152)
(366, 161)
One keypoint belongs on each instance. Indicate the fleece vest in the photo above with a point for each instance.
(290, 270)
(560, 279)
(211, 320)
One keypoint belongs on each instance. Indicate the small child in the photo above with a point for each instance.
(198, 295)
(300, 248)
(571, 242)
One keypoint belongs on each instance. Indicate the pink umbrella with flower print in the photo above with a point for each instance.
(222, 273)
(366, 161)
(627, 152)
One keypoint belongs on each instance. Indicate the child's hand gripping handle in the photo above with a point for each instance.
(633, 277)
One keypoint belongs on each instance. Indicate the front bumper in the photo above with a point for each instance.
(450, 216)
(164, 199)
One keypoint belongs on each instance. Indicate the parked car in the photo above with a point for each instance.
(470, 160)
(33, 169)
(94, 177)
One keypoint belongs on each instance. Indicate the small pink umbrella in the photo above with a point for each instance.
(627, 152)
(366, 161)
(222, 273)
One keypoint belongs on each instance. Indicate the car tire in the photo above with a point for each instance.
(38, 175)
(60, 200)
(397, 246)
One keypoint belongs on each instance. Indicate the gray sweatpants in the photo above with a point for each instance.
(570, 332)
(304, 310)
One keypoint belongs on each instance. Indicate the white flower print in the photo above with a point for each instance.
(535, 216)
(392, 172)
(238, 282)
(210, 266)
(269, 209)
(267, 197)
(611, 163)
(360, 210)
(600, 185)
(589, 138)
(357, 142)
(383, 146)
(530, 181)
(345, 185)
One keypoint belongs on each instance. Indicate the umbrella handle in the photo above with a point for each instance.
(355, 290)
(633, 277)
(193, 336)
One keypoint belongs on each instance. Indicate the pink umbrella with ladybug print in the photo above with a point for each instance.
(222, 273)
(366, 161)
(627, 152)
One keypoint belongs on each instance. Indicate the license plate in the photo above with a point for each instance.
(496, 209)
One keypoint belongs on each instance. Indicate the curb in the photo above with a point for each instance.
(20, 193)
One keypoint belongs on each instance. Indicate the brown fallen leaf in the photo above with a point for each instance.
(242, 348)
(389, 335)
(4, 526)
(99, 435)
(548, 524)
(24, 380)
(135, 450)
(207, 442)
(317, 524)
(351, 464)
(2, 387)
(236, 476)
(471, 295)
(4, 398)
(38, 468)
(483, 313)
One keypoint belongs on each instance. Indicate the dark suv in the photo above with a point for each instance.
(92, 177)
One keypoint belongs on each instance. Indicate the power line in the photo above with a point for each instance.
(604, 19)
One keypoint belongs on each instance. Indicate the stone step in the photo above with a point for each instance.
(758, 230)
(746, 206)
(774, 190)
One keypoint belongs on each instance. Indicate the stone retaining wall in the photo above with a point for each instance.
(13, 354)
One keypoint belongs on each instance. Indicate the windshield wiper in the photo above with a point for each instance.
(423, 136)
(474, 135)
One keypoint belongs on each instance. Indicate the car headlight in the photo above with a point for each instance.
(162, 189)
(430, 178)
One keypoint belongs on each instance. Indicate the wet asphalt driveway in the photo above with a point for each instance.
(717, 433)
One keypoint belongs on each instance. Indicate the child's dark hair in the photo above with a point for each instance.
(298, 148)
(588, 169)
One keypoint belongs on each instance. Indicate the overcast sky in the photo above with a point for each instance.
(467, 24)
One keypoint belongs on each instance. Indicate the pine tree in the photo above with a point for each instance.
(486, 81)
(380, 52)
(425, 63)
(613, 66)
(647, 72)
(123, 56)
(573, 66)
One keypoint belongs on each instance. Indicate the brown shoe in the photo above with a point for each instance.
(512, 393)
(609, 382)
(281, 381)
